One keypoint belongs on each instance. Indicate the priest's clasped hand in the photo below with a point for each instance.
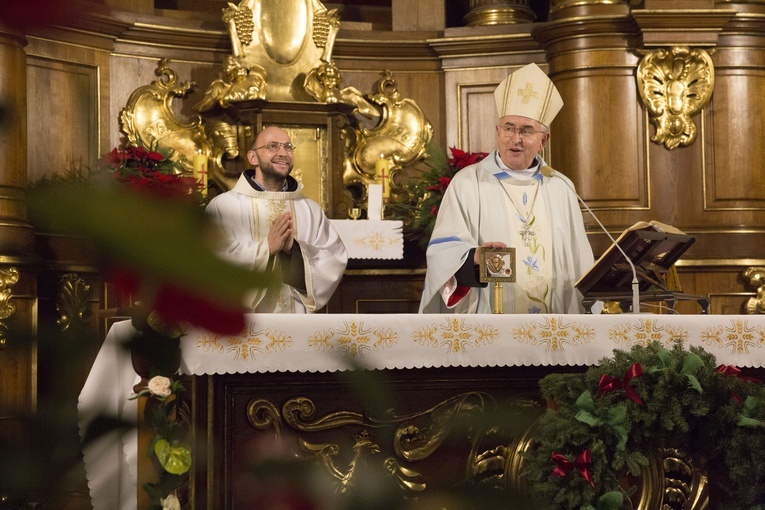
(280, 237)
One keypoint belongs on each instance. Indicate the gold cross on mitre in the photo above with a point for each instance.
(528, 93)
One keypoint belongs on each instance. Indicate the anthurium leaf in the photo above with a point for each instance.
(164, 239)
(174, 458)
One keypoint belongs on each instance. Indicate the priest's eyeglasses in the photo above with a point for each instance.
(274, 147)
(523, 132)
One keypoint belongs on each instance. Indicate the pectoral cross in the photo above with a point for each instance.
(527, 235)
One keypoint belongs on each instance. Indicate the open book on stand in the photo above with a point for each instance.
(652, 247)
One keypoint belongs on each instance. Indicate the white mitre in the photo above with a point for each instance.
(528, 92)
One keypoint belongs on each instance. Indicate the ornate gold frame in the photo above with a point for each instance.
(675, 84)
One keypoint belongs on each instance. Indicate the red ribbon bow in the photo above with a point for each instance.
(736, 372)
(609, 383)
(582, 464)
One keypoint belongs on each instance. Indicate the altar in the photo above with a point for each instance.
(284, 378)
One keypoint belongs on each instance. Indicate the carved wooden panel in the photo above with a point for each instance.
(400, 425)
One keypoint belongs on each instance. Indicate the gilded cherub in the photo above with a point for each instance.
(323, 83)
(239, 83)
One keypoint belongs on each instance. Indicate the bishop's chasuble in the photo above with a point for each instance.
(538, 216)
(245, 214)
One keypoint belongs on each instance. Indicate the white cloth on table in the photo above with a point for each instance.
(370, 239)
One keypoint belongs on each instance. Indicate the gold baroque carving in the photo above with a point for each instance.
(282, 41)
(673, 480)
(401, 137)
(72, 301)
(675, 84)
(8, 278)
(755, 276)
(263, 414)
(238, 83)
(148, 118)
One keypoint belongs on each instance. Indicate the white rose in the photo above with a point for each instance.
(160, 386)
(171, 501)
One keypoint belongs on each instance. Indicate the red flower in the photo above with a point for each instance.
(460, 159)
(434, 211)
(443, 183)
(174, 303)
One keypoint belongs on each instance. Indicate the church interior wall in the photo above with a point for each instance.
(74, 82)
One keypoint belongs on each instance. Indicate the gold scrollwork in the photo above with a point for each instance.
(8, 278)
(497, 458)
(72, 301)
(755, 276)
(673, 480)
(299, 410)
(675, 84)
(365, 452)
(401, 137)
(263, 414)
(148, 118)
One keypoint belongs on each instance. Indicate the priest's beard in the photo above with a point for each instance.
(273, 179)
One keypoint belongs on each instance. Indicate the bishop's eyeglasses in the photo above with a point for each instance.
(274, 147)
(523, 132)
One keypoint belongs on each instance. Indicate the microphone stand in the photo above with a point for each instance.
(549, 172)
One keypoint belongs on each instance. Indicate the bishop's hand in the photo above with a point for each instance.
(491, 245)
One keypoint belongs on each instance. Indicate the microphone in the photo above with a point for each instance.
(549, 172)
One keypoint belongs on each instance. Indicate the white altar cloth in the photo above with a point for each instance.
(328, 342)
(372, 239)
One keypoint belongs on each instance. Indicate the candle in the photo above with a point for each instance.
(382, 175)
(200, 170)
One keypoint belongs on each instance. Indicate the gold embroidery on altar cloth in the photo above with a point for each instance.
(646, 331)
(456, 335)
(353, 339)
(247, 345)
(375, 241)
(553, 333)
(739, 337)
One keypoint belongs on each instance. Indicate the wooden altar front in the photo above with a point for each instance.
(377, 394)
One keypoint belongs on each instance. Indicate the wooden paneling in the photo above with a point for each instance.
(420, 15)
(378, 291)
(65, 95)
(736, 132)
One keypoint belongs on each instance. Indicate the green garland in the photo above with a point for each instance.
(688, 402)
